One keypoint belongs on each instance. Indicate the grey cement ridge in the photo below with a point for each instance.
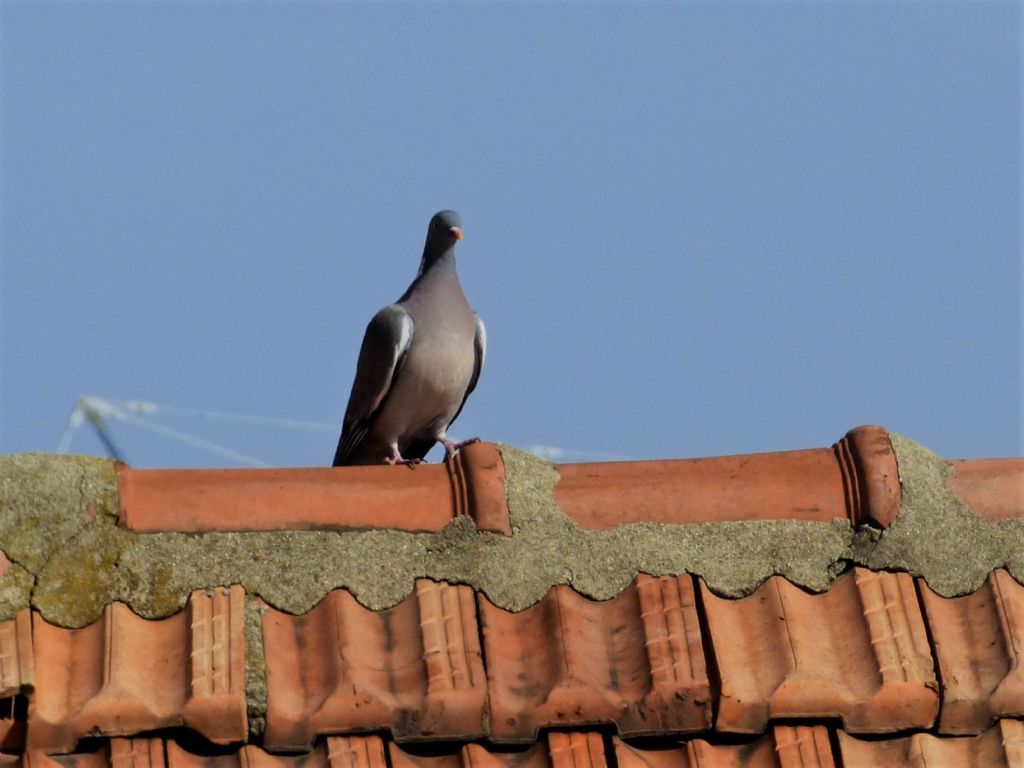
(255, 666)
(937, 535)
(58, 526)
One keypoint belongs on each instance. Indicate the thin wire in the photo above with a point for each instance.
(148, 408)
(135, 411)
(555, 453)
(96, 408)
(74, 422)
(195, 442)
(105, 437)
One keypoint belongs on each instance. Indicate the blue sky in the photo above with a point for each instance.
(691, 228)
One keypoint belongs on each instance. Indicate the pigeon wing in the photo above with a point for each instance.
(480, 353)
(381, 357)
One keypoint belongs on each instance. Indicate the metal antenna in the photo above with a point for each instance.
(91, 408)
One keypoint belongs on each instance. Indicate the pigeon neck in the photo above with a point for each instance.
(436, 262)
(432, 267)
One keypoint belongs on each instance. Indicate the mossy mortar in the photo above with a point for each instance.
(937, 535)
(255, 667)
(58, 527)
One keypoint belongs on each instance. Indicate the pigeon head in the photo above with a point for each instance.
(444, 232)
(445, 229)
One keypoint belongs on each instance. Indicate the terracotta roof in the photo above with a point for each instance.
(783, 746)
(894, 637)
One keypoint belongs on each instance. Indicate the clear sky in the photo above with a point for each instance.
(691, 228)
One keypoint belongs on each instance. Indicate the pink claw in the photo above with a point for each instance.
(396, 459)
(451, 447)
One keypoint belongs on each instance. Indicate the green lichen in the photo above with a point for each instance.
(46, 500)
(15, 591)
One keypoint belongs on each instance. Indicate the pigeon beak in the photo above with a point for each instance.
(456, 232)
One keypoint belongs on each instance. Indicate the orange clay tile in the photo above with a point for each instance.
(576, 750)
(333, 752)
(856, 479)
(355, 752)
(37, 759)
(136, 753)
(562, 750)
(477, 476)
(340, 668)
(858, 652)
(802, 746)
(559, 750)
(17, 677)
(635, 661)
(12, 727)
(124, 675)
(16, 662)
(994, 488)
(1001, 746)
(5, 564)
(979, 645)
(422, 498)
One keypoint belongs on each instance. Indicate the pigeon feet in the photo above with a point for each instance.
(450, 447)
(395, 459)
